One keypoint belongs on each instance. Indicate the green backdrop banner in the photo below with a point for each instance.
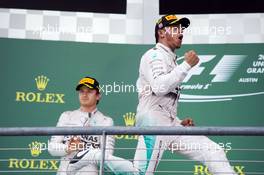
(38, 80)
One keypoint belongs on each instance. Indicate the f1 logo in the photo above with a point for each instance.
(223, 70)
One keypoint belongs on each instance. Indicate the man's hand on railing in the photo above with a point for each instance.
(187, 122)
(75, 144)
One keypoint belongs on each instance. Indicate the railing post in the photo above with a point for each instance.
(102, 145)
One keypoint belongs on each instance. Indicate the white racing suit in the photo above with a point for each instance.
(86, 161)
(158, 86)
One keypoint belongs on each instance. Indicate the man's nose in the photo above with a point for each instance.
(85, 94)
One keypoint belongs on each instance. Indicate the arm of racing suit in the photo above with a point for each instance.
(56, 147)
(110, 139)
(161, 81)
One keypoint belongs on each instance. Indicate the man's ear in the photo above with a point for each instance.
(98, 96)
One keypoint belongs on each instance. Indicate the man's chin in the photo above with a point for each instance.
(178, 46)
(85, 104)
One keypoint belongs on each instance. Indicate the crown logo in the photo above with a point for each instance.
(130, 119)
(35, 148)
(42, 82)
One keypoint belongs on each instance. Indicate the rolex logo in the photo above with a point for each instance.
(40, 97)
(130, 119)
(35, 148)
(42, 82)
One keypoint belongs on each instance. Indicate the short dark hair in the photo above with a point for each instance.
(157, 36)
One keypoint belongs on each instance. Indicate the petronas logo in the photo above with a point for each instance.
(42, 82)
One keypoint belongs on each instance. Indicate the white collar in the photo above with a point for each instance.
(89, 113)
(166, 49)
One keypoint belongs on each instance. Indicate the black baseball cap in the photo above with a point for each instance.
(170, 20)
(89, 82)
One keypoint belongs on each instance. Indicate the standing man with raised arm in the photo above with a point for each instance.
(159, 90)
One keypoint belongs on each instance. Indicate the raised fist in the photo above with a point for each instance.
(191, 58)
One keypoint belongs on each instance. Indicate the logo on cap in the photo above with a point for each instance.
(86, 80)
(170, 17)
